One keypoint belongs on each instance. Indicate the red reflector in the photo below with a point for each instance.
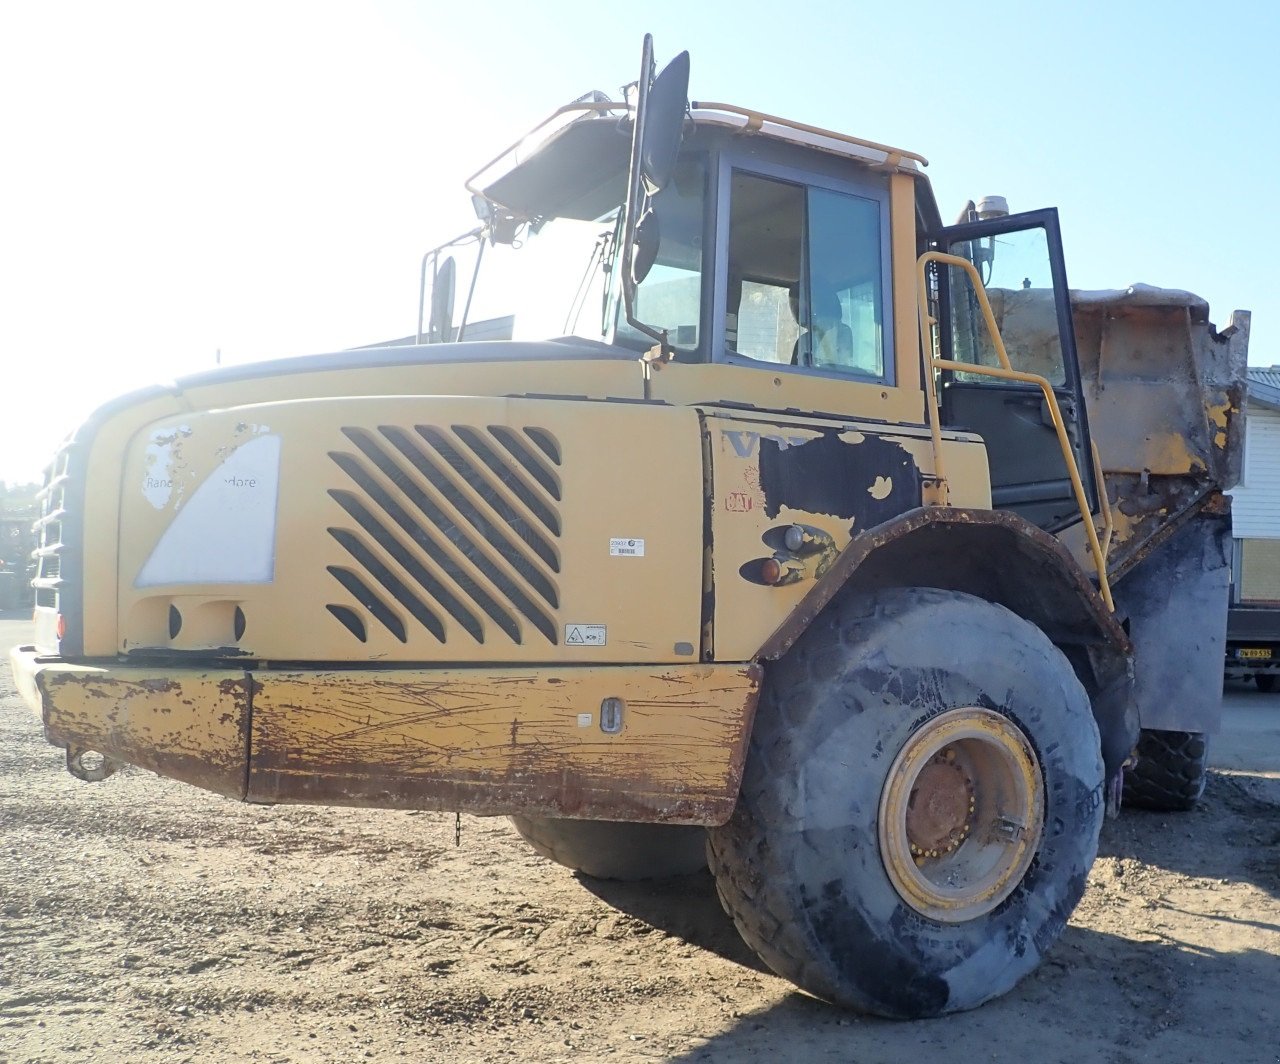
(771, 570)
(62, 627)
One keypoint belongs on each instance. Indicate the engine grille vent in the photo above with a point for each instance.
(457, 524)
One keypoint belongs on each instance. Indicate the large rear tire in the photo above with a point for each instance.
(611, 850)
(1169, 773)
(920, 807)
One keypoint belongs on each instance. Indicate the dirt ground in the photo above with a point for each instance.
(143, 921)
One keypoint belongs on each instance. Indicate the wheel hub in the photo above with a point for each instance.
(961, 814)
(940, 809)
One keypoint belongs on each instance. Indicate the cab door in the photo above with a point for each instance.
(1019, 258)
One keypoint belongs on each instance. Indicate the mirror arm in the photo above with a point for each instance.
(471, 291)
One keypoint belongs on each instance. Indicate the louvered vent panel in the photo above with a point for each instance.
(456, 527)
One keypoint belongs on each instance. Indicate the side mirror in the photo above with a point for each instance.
(443, 291)
(655, 144)
(664, 124)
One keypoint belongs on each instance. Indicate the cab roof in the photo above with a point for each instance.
(593, 136)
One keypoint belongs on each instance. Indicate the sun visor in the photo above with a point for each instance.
(580, 172)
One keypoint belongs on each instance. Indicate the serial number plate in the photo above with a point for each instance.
(1254, 652)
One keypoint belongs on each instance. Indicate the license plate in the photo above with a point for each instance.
(1263, 653)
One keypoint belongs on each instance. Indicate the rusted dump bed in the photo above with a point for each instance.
(1165, 391)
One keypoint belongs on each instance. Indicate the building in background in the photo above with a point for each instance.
(1255, 504)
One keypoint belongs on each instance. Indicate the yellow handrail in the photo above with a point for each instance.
(1108, 526)
(1004, 372)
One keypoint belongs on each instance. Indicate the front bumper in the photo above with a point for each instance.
(22, 663)
(188, 724)
(640, 743)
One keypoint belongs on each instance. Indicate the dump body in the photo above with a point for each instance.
(1165, 391)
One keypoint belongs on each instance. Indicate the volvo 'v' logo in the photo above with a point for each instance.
(746, 444)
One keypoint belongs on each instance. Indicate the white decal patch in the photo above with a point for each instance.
(584, 720)
(585, 635)
(226, 533)
(626, 548)
(157, 480)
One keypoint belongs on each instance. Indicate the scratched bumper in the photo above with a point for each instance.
(188, 724)
(491, 741)
(508, 740)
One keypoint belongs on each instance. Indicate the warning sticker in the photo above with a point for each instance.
(585, 635)
(626, 548)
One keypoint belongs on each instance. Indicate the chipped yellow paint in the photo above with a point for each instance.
(1169, 452)
(1125, 525)
(747, 611)
(188, 724)
(1220, 413)
(881, 488)
(508, 740)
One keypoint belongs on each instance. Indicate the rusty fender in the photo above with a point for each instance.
(1002, 558)
(642, 743)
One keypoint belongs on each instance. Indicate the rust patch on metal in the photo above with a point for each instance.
(940, 806)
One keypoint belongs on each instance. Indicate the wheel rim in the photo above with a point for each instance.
(961, 814)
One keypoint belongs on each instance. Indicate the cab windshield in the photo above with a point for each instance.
(548, 283)
(561, 275)
(669, 298)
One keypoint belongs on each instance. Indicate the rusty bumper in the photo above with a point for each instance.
(189, 724)
(641, 743)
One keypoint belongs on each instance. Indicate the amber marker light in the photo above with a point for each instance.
(771, 570)
(61, 629)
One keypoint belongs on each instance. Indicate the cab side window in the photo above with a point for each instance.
(806, 273)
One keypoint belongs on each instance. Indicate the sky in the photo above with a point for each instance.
(261, 179)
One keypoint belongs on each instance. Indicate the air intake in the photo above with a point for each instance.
(456, 527)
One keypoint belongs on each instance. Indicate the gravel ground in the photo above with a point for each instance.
(144, 921)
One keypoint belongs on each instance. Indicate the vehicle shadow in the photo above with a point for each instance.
(1098, 997)
(684, 907)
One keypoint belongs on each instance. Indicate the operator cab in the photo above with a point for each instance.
(777, 248)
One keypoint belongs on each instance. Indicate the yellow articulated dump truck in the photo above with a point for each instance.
(843, 549)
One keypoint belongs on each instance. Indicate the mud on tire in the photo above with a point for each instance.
(611, 850)
(1170, 771)
(800, 866)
